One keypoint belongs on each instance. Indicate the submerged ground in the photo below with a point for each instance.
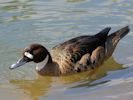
(50, 22)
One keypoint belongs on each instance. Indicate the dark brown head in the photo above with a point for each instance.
(35, 52)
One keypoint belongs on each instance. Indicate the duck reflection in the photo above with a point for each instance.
(34, 88)
(40, 86)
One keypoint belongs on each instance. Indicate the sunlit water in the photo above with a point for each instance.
(50, 22)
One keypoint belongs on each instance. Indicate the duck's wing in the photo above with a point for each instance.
(90, 61)
(69, 53)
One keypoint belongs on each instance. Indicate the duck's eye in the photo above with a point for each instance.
(28, 55)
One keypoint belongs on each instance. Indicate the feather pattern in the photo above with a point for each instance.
(79, 52)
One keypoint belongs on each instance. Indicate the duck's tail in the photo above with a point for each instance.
(120, 33)
(102, 35)
(113, 39)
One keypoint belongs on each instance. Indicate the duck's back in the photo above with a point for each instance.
(70, 52)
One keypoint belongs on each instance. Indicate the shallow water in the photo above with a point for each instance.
(50, 22)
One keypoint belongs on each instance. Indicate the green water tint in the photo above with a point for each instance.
(34, 88)
(50, 22)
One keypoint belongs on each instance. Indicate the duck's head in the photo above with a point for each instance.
(33, 53)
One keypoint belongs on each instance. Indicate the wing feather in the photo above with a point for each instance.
(70, 52)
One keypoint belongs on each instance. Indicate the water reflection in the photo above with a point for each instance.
(40, 86)
(34, 88)
(16, 10)
(76, 0)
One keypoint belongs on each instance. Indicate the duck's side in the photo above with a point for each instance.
(77, 52)
(70, 58)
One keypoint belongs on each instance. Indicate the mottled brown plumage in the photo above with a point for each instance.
(76, 55)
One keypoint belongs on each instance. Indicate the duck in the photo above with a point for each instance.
(76, 55)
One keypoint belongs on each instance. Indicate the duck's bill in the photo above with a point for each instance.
(19, 63)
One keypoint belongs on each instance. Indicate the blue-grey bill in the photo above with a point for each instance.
(19, 63)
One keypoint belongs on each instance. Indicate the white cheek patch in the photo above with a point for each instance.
(28, 55)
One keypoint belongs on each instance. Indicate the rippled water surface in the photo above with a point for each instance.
(50, 22)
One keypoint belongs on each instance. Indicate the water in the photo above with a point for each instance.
(50, 22)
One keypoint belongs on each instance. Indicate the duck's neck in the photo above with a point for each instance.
(48, 67)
